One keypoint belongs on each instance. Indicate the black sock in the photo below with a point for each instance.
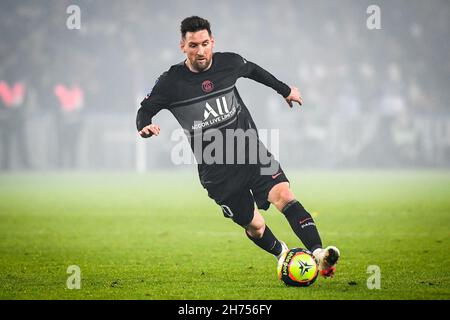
(303, 225)
(267, 242)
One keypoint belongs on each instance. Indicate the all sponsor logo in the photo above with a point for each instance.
(215, 114)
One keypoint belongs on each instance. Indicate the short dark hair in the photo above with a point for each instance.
(193, 24)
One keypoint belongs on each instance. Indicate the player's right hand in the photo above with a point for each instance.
(148, 131)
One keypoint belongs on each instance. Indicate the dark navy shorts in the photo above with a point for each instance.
(240, 191)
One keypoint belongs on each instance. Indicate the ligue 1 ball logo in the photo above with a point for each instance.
(297, 267)
(207, 86)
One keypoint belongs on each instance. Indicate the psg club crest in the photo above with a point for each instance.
(207, 86)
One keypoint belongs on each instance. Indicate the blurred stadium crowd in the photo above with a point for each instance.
(373, 98)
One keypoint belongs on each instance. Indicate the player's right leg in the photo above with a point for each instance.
(239, 205)
(262, 236)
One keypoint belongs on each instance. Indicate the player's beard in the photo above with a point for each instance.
(201, 65)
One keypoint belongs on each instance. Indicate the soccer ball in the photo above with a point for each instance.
(297, 267)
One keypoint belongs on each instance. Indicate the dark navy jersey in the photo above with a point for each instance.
(207, 101)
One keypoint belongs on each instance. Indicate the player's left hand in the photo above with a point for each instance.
(294, 96)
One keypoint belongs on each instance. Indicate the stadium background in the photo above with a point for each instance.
(373, 98)
(367, 154)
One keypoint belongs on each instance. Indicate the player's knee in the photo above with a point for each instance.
(284, 197)
(280, 195)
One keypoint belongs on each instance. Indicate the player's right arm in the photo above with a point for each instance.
(150, 106)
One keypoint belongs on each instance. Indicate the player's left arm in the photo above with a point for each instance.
(294, 96)
(252, 71)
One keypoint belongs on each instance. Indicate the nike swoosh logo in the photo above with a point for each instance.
(276, 175)
(303, 221)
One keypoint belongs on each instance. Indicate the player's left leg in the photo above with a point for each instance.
(300, 220)
(304, 226)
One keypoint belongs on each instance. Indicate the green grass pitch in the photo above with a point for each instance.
(158, 236)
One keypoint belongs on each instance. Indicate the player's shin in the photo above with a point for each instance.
(303, 225)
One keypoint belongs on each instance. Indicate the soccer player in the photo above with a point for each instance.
(200, 92)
